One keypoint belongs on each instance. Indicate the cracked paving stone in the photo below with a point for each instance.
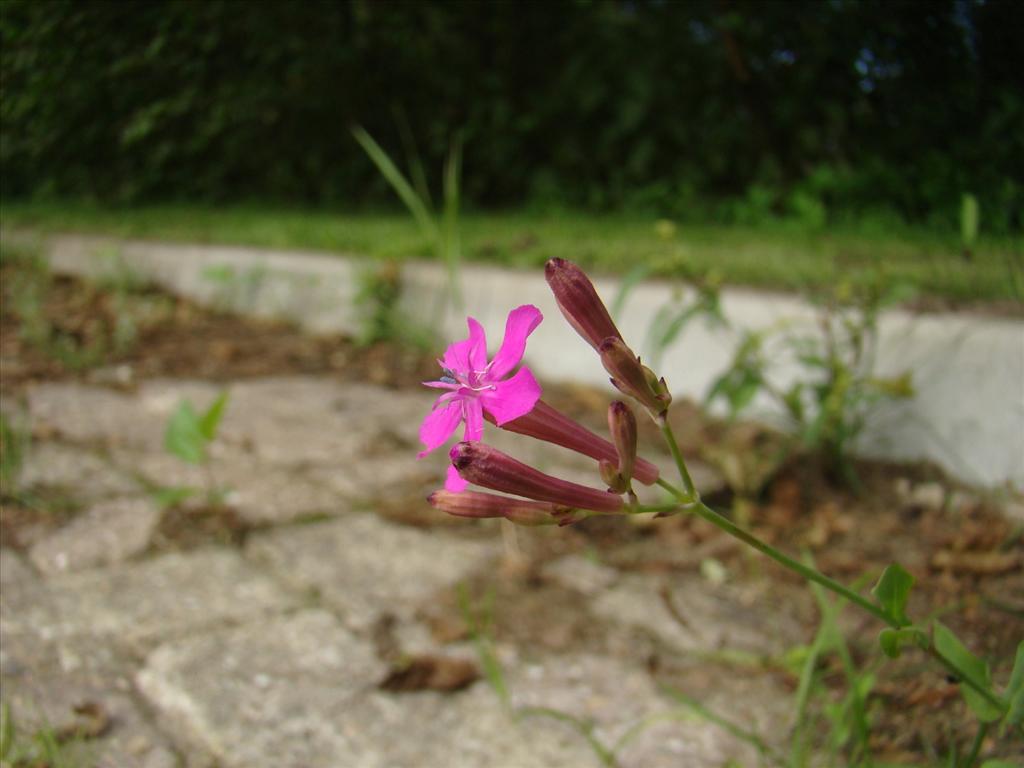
(89, 476)
(715, 617)
(128, 740)
(363, 565)
(14, 573)
(580, 573)
(296, 421)
(94, 414)
(363, 478)
(276, 495)
(261, 493)
(300, 691)
(111, 531)
(315, 421)
(616, 697)
(137, 603)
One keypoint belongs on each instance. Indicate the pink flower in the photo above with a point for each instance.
(474, 385)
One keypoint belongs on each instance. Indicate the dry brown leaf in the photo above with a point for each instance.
(429, 672)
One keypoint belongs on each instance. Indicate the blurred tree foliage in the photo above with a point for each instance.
(728, 109)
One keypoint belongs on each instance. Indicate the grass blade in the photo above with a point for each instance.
(398, 182)
(452, 250)
(738, 731)
(412, 157)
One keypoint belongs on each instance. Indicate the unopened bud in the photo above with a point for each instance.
(632, 378)
(579, 302)
(481, 505)
(553, 426)
(483, 465)
(612, 478)
(622, 426)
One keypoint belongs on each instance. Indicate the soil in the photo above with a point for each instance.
(966, 556)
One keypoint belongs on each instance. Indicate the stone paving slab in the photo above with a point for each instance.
(109, 532)
(140, 602)
(300, 692)
(716, 617)
(364, 566)
(268, 694)
(380, 476)
(260, 493)
(264, 495)
(580, 573)
(14, 573)
(94, 414)
(65, 466)
(315, 421)
(48, 702)
(616, 699)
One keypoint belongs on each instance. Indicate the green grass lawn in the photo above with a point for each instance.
(780, 255)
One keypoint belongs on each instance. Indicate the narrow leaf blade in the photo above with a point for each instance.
(893, 590)
(976, 669)
(211, 419)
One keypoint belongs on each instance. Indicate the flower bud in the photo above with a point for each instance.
(632, 378)
(579, 302)
(610, 474)
(552, 426)
(483, 465)
(479, 505)
(622, 426)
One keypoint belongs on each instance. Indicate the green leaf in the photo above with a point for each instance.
(892, 591)
(173, 495)
(999, 764)
(1015, 690)
(971, 667)
(745, 392)
(890, 642)
(211, 419)
(184, 437)
(893, 641)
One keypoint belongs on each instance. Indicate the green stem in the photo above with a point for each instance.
(673, 506)
(690, 501)
(976, 746)
(677, 457)
(727, 525)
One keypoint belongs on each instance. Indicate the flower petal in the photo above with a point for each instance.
(520, 324)
(469, 355)
(439, 424)
(473, 413)
(453, 481)
(513, 397)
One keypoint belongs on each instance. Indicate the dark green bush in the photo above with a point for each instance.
(708, 108)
